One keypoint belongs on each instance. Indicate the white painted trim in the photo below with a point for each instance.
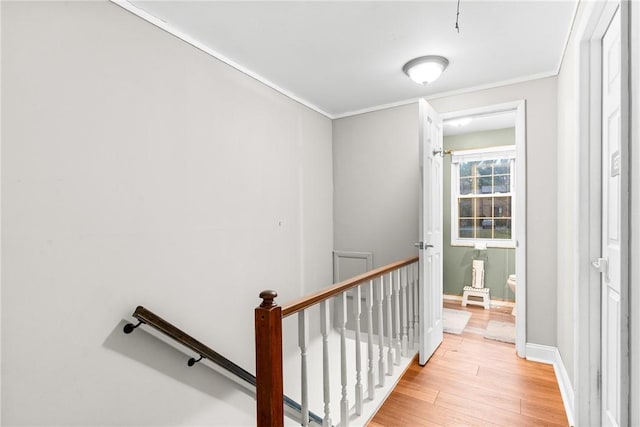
(587, 297)
(566, 42)
(489, 153)
(541, 353)
(519, 222)
(377, 108)
(521, 229)
(625, 208)
(141, 13)
(494, 302)
(486, 110)
(634, 273)
(1, 240)
(456, 92)
(551, 356)
(476, 154)
(566, 388)
(493, 85)
(338, 255)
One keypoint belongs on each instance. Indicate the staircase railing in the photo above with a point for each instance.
(149, 318)
(391, 292)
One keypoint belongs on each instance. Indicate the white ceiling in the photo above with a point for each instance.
(341, 57)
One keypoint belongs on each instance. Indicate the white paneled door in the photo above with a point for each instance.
(610, 262)
(430, 246)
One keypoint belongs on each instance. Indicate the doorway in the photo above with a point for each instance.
(489, 226)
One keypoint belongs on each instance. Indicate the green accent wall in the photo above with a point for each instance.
(499, 262)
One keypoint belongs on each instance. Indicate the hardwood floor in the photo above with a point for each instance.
(473, 381)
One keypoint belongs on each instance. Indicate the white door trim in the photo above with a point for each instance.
(634, 417)
(588, 216)
(339, 255)
(521, 208)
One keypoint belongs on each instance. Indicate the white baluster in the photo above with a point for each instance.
(410, 316)
(357, 310)
(303, 340)
(344, 402)
(416, 302)
(370, 373)
(396, 316)
(379, 301)
(325, 327)
(405, 341)
(389, 326)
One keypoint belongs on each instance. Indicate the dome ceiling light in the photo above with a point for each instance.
(425, 69)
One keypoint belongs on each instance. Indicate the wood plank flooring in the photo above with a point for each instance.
(473, 381)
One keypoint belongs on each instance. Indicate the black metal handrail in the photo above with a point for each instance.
(149, 318)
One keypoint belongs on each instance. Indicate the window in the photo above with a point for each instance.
(482, 198)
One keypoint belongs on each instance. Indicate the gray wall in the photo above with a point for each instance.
(376, 185)
(541, 136)
(499, 262)
(136, 169)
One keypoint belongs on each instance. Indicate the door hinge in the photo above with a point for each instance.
(602, 265)
(599, 380)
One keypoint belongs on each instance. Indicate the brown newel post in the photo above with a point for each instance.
(269, 389)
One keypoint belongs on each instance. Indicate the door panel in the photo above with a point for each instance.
(611, 220)
(430, 267)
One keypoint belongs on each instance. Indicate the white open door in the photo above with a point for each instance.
(430, 228)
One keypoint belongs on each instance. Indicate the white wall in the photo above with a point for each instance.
(138, 170)
(376, 183)
(540, 96)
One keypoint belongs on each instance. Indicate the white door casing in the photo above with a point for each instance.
(610, 265)
(430, 229)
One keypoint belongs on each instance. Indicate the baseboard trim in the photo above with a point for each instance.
(497, 303)
(541, 353)
(551, 355)
(566, 388)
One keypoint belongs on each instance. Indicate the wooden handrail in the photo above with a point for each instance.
(333, 290)
(268, 335)
(151, 319)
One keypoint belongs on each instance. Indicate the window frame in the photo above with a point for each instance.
(489, 153)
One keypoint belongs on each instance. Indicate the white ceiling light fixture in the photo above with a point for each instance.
(425, 69)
